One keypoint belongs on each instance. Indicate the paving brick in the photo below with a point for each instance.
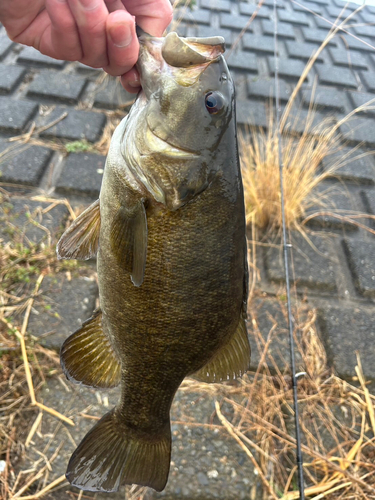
(368, 197)
(339, 11)
(210, 31)
(323, 24)
(327, 99)
(302, 50)
(322, 2)
(359, 130)
(221, 5)
(112, 95)
(22, 218)
(235, 22)
(369, 81)
(258, 44)
(265, 89)
(31, 56)
(365, 30)
(348, 5)
(333, 202)
(251, 113)
(199, 16)
(269, 3)
(359, 99)
(81, 174)
(342, 57)
(309, 5)
(245, 61)
(301, 121)
(349, 328)
(355, 44)
(361, 258)
(288, 68)
(76, 125)
(57, 87)
(5, 45)
(61, 307)
(24, 164)
(332, 75)
(10, 77)
(351, 167)
(316, 36)
(15, 115)
(312, 269)
(297, 18)
(284, 30)
(248, 10)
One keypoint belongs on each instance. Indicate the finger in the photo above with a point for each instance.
(62, 39)
(131, 82)
(113, 5)
(90, 17)
(18, 16)
(153, 16)
(122, 43)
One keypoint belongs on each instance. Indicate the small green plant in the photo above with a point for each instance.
(78, 146)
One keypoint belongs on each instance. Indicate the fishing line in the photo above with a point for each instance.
(286, 247)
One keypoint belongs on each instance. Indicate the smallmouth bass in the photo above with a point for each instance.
(169, 234)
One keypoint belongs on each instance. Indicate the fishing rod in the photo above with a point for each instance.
(286, 247)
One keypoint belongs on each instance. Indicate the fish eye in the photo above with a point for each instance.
(214, 102)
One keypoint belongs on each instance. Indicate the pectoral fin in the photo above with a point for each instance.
(129, 240)
(88, 358)
(231, 361)
(81, 239)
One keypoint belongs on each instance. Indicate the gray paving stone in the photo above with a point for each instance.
(61, 308)
(289, 69)
(336, 202)
(23, 165)
(365, 30)
(356, 169)
(211, 31)
(302, 121)
(359, 130)
(10, 77)
(326, 99)
(349, 5)
(312, 269)
(323, 24)
(31, 56)
(284, 30)
(369, 81)
(309, 5)
(56, 86)
(76, 125)
(355, 44)
(247, 9)
(5, 45)
(112, 95)
(297, 18)
(339, 11)
(322, 2)
(342, 57)
(15, 114)
(302, 50)
(21, 218)
(265, 89)
(359, 99)
(199, 16)
(251, 113)
(361, 258)
(269, 3)
(316, 36)
(240, 60)
(221, 5)
(332, 75)
(81, 174)
(258, 44)
(235, 22)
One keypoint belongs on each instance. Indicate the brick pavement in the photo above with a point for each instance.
(337, 277)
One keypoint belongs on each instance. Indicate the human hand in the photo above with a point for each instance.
(99, 33)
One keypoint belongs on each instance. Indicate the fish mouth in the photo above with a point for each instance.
(160, 146)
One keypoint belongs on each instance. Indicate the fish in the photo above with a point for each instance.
(168, 231)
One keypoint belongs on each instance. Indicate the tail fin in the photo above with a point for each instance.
(111, 454)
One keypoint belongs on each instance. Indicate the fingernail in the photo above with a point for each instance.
(89, 4)
(121, 36)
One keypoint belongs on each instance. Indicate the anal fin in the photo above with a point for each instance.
(81, 239)
(88, 358)
(129, 240)
(231, 361)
